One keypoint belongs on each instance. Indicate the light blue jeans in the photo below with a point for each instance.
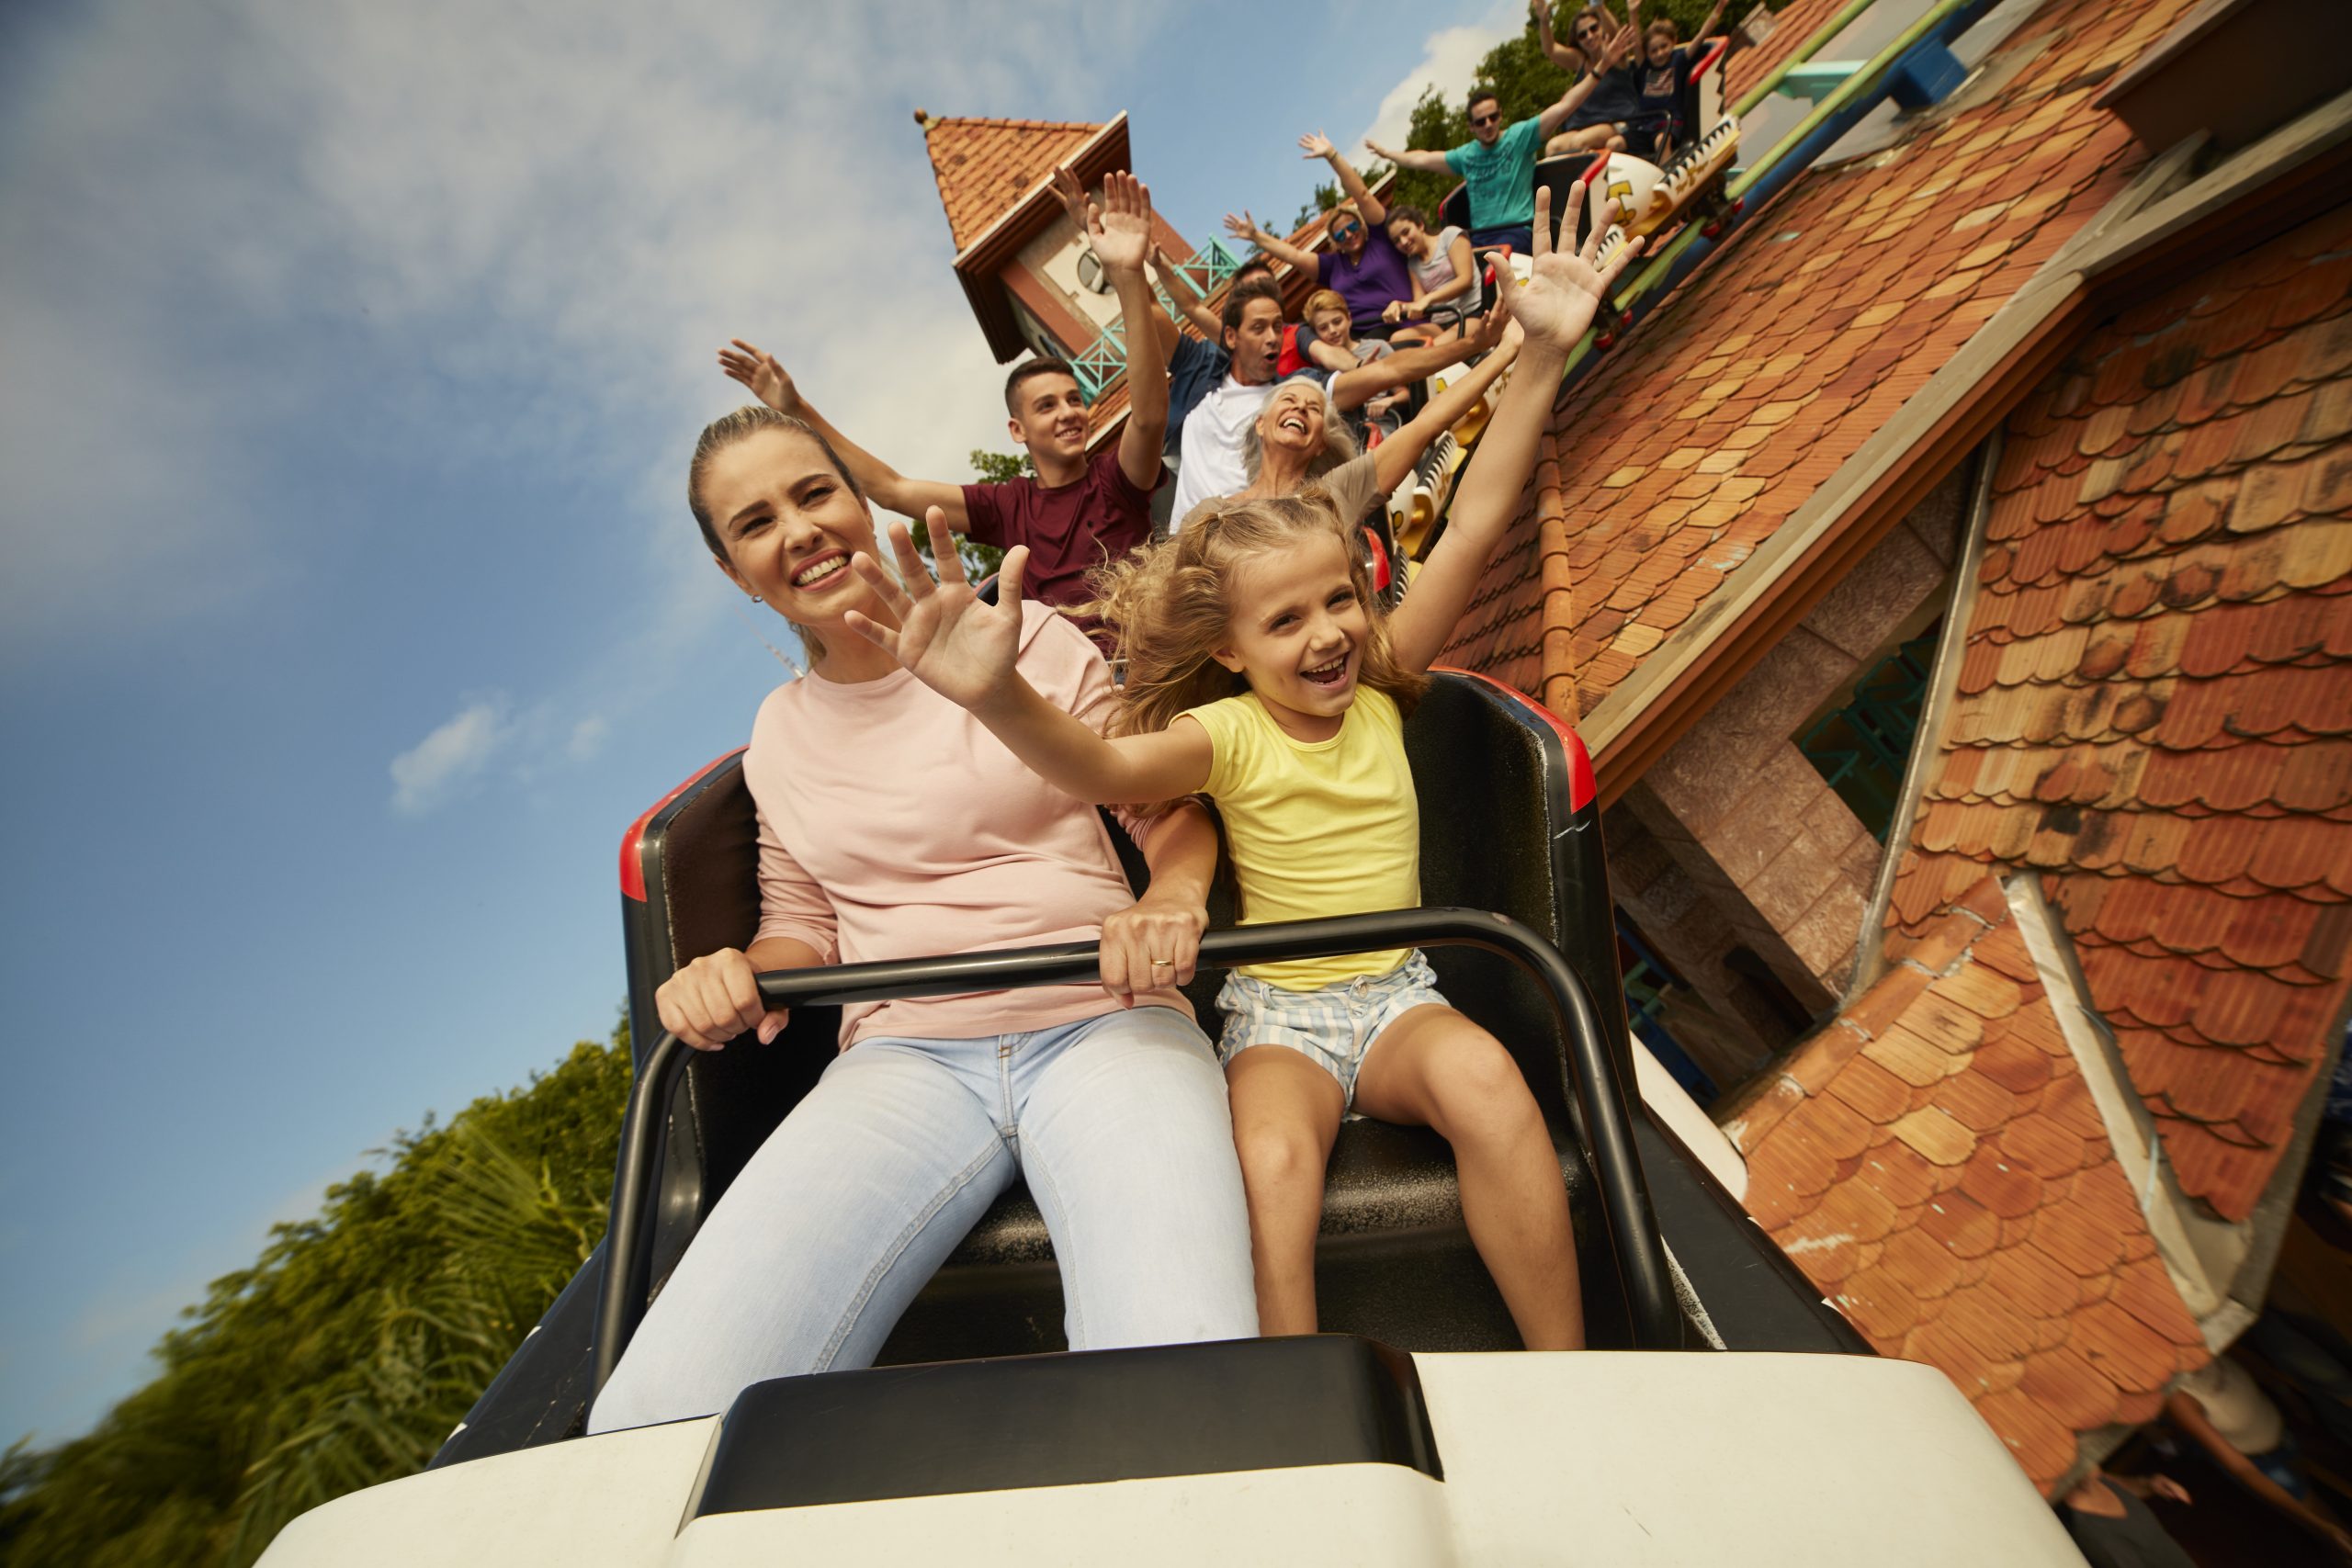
(1119, 1123)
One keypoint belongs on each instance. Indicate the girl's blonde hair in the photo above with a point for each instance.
(1172, 608)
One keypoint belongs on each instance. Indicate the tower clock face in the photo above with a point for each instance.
(1090, 274)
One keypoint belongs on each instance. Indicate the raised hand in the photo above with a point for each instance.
(1496, 327)
(1121, 232)
(1074, 199)
(1377, 151)
(1314, 144)
(1564, 292)
(1242, 227)
(957, 645)
(758, 370)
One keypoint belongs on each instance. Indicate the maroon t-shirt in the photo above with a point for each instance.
(1069, 531)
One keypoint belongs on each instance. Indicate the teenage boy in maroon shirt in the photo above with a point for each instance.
(1076, 512)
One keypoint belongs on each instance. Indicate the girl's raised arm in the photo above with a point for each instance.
(1554, 307)
(966, 650)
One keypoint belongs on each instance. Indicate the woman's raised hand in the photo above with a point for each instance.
(758, 370)
(957, 645)
(1242, 227)
(715, 998)
(1565, 289)
(1314, 144)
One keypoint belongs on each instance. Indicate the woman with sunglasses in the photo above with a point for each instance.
(1361, 267)
(1601, 49)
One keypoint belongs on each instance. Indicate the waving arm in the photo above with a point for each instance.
(889, 489)
(1319, 145)
(1246, 228)
(1121, 235)
(1554, 307)
(1180, 289)
(1393, 459)
(1559, 55)
(1548, 123)
(966, 651)
(1427, 160)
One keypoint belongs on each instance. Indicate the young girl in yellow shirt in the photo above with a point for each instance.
(1260, 674)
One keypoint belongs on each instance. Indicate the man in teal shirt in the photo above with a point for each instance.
(1498, 165)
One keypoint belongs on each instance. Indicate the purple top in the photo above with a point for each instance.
(1368, 283)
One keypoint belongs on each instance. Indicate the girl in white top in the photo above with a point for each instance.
(1444, 273)
(1260, 673)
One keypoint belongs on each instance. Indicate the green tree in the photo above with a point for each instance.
(990, 467)
(348, 1351)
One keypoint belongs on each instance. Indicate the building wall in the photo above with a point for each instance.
(1734, 851)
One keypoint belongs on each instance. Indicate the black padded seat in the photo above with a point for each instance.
(1516, 831)
(1483, 837)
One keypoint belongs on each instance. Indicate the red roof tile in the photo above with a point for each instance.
(2173, 747)
(1787, 356)
(985, 166)
(2033, 1282)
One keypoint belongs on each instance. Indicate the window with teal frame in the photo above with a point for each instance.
(1101, 362)
(1861, 748)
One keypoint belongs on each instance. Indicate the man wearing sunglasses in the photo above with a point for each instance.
(1498, 165)
(1361, 267)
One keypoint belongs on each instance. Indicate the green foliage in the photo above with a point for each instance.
(350, 1348)
(990, 468)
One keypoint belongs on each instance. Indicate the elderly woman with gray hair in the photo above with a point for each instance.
(1300, 438)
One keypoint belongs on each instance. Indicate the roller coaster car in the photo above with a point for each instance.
(1651, 199)
(1412, 1433)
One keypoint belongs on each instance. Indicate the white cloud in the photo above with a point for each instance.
(1449, 59)
(587, 738)
(429, 772)
(472, 230)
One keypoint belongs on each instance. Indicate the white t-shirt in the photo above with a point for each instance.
(1210, 459)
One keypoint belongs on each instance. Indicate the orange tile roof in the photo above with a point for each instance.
(2154, 706)
(1717, 417)
(1933, 1161)
(985, 166)
(1792, 26)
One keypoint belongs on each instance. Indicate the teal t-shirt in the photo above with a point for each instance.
(1502, 177)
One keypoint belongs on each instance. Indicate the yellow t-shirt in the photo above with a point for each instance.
(1326, 828)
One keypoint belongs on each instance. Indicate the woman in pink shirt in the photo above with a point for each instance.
(892, 825)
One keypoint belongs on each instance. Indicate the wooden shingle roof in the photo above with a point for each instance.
(986, 166)
(2154, 707)
(1717, 419)
(1934, 1161)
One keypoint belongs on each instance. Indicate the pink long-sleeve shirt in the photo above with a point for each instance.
(893, 825)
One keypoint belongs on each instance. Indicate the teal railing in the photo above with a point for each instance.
(1101, 362)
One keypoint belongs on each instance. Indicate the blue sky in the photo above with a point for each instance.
(350, 609)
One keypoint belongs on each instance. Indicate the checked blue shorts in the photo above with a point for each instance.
(1333, 1026)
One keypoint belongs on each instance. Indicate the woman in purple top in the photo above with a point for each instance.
(1362, 267)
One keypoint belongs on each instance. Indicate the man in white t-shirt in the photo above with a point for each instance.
(1210, 463)
(1210, 460)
